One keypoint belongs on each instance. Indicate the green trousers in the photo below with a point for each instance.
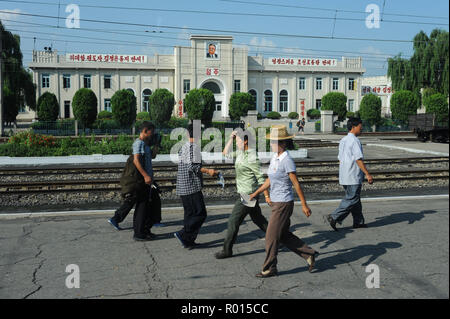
(235, 220)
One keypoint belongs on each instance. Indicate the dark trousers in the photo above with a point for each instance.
(194, 216)
(235, 220)
(350, 204)
(152, 208)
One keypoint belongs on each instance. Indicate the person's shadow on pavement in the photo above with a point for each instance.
(409, 217)
(332, 237)
(346, 256)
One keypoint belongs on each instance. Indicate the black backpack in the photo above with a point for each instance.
(131, 180)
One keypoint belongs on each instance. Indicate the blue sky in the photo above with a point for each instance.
(110, 38)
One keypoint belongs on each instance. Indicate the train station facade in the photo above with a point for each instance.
(278, 83)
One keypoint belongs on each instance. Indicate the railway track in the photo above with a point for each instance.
(117, 168)
(169, 183)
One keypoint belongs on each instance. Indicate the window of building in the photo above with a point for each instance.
(255, 96)
(22, 109)
(107, 81)
(302, 84)
(212, 86)
(335, 84)
(45, 81)
(186, 86)
(318, 104)
(351, 104)
(66, 81)
(87, 81)
(268, 98)
(318, 83)
(351, 84)
(283, 101)
(237, 86)
(132, 91)
(108, 105)
(66, 109)
(145, 100)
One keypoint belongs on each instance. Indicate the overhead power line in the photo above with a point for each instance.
(143, 33)
(144, 44)
(263, 15)
(218, 30)
(282, 5)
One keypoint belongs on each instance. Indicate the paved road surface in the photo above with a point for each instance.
(408, 240)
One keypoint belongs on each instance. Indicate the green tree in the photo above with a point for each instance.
(162, 103)
(370, 109)
(143, 116)
(123, 104)
(48, 107)
(104, 115)
(273, 115)
(403, 104)
(437, 104)
(293, 115)
(18, 87)
(336, 102)
(240, 104)
(428, 67)
(84, 106)
(200, 105)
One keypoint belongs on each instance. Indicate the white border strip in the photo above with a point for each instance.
(412, 150)
(227, 206)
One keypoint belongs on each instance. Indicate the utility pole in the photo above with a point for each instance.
(1, 84)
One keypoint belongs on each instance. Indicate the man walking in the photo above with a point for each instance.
(143, 217)
(189, 188)
(351, 176)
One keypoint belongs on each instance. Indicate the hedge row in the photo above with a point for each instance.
(29, 144)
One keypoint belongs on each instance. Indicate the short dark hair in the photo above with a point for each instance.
(352, 122)
(146, 125)
(190, 130)
(246, 136)
(288, 144)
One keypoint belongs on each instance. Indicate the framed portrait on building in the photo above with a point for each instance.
(212, 49)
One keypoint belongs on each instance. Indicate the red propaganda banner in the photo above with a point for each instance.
(377, 90)
(180, 108)
(214, 71)
(303, 62)
(302, 106)
(106, 58)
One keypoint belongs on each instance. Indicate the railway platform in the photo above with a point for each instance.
(407, 240)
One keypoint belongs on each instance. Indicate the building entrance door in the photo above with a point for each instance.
(219, 96)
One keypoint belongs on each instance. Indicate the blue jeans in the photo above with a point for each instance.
(350, 204)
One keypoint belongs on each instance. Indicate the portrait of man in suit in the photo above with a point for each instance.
(212, 51)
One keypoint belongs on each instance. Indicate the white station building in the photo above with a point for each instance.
(280, 83)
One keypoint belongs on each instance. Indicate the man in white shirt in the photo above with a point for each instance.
(351, 176)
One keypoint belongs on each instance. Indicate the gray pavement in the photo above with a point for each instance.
(407, 239)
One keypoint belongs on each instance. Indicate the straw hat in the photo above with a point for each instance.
(278, 133)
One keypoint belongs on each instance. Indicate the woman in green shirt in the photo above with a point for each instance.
(248, 178)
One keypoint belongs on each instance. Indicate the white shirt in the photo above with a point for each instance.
(278, 173)
(350, 150)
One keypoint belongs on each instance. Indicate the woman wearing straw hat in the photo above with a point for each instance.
(282, 177)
